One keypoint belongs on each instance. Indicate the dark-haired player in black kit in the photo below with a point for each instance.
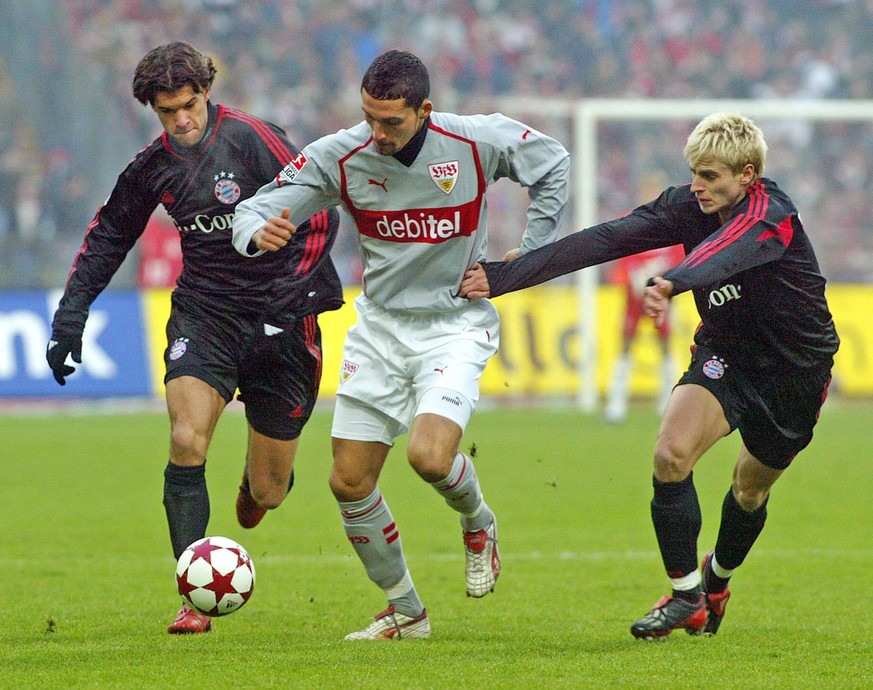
(234, 322)
(761, 360)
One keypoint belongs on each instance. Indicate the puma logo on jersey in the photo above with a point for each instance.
(379, 184)
(524, 136)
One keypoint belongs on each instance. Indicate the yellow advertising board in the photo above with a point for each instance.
(156, 307)
(539, 342)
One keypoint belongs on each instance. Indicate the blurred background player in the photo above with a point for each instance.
(233, 323)
(631, 273)
(414, 181)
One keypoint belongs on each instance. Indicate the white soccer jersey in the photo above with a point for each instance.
(420, 227)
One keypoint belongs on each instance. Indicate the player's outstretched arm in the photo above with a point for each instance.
(589, 247)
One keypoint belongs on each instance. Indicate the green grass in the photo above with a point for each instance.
(86, 573)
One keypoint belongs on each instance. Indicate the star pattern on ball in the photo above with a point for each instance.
(185, 587)
(221, 584)
(204, 549)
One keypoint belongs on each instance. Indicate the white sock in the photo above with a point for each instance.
(668, 380)
(690, 581)
(462, 493)
(616, 407)
(723, 573)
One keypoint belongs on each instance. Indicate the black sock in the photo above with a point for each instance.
(677, 521)
(738, 531)
(692, 595)
(187, 504)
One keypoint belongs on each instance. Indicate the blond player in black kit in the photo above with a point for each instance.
(761, 360)
(234, 322)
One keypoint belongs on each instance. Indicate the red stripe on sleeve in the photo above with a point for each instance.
(315, 243)
(270, 138)
(784, 231)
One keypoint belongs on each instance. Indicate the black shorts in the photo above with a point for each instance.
(276, 367)
(775, 408)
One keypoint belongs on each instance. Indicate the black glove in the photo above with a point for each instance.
(56, 355)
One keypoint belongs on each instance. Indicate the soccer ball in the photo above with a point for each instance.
(215, 576)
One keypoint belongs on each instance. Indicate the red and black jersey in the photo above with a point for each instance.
(756, 280)
(200, 187)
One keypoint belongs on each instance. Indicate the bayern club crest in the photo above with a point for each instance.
(226, 190)
(713, 369)
(178, 348)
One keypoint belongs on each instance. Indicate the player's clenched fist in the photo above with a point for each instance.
(475, 283)
(275, 233)
(656, 299)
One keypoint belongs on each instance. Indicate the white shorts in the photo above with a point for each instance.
(397, 365)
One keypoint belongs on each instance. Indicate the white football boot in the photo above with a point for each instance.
(483, 561)
(391, 625)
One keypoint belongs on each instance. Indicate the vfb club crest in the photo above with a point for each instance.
(227, 191)
(444, 175)
(348, 370)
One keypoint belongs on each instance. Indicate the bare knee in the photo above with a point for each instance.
(673, 462)
(270, 501)
(339, 487)
(348, 487)
(269, 497)
(187, 445)
(430, 463)
(356, 468)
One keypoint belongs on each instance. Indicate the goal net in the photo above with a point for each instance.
(820, 152)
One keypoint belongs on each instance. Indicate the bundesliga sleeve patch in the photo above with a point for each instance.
(290, 171)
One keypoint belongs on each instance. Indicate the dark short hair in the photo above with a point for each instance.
(169, 68)
(397, 74)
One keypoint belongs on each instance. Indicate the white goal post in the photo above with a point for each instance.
(576, 126)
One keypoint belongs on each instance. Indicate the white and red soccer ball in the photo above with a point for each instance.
(215, 576)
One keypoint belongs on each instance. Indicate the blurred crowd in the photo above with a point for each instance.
(299, 64)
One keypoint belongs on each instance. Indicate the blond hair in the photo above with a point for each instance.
(728, 138)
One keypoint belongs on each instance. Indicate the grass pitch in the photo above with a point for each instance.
(87, 572)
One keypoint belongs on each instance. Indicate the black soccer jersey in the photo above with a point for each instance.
(755, 279)
(200, 187)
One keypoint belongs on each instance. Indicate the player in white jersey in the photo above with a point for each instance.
(414, 182)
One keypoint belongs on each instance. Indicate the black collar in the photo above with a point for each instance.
(409, 153)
